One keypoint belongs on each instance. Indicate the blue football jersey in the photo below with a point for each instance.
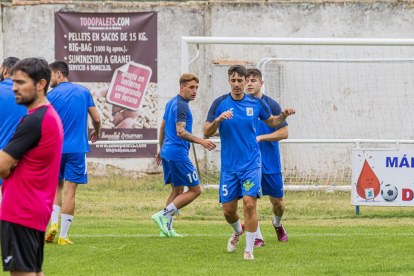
(71, 101)
(270, 150)
(10, 112)
(239, 148)
(174, 148)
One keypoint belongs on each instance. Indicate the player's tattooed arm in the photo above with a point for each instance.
(185, 135)
(277, 121)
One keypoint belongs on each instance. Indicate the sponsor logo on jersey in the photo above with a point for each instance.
(247, 185)
(249, 111)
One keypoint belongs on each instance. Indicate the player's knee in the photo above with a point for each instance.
(249, 207)
(278, 202)
(178, 190)
(280, 205)
(196, 190)
(229, 212)
(70, 193)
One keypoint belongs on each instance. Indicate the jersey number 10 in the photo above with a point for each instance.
(194, 176)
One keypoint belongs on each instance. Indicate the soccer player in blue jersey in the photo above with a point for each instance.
(272, 182)
(236, 115)
(175, 137)
(72, 102)
(10, 111)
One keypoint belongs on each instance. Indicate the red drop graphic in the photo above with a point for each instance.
(367, 179)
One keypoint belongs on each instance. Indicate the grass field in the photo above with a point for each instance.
(114, 235)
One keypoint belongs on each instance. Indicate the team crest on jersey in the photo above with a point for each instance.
(249, 111)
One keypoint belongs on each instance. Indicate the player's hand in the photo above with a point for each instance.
(158, 159)
(208, 144)
(258, 139)
(94, 136)
(225, 115)
(287, 112)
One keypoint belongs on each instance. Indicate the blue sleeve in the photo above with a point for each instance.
(213, 110)
(90, 100)
(182, 111)
(276, 110)
(50, 97)
(264, 110)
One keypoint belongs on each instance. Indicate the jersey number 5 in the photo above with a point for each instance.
(224, 188)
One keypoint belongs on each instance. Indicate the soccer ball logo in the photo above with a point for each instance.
(389, 192)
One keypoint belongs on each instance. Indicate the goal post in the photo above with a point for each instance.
(347, 85)
(187, 40)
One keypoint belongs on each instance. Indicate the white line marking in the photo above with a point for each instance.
(226, 235)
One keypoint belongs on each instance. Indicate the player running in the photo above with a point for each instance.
(272, 182)
(236, 115)
(73, 103)
(30, 166)
(175, 137)
(10, 111)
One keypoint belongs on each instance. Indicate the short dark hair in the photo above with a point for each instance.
(60, 66)
(36, 68)
(255, 73)
(237, 69)
(9, 62)
(186, 78)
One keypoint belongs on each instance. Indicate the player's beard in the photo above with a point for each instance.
(2, 76)
(28, 100)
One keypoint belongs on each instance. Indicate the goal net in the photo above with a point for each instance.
(340, 92)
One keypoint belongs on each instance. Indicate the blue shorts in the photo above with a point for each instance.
(272, 185)
(238, 184)
(73, 168)
(180, 173)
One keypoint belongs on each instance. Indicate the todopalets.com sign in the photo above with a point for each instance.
(95, 44)
(383, 177)
(114, 55)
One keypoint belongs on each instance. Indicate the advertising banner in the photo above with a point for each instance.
(382, 177)
(114, 55)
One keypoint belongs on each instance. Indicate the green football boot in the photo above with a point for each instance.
(173, 234)
(162, 223)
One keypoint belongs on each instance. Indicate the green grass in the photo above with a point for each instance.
(325, 236)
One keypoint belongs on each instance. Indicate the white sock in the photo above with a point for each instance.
(171, 223)
(55, 214)
(65, 221)
(277, 221)
(169, 210)
(237, 228)
(250, 237)
(258, 233)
